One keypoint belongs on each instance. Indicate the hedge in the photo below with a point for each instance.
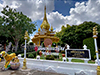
(50, 57)
(89, 42)
(30, 55)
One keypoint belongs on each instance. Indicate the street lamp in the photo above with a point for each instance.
(24, 62)
(95, 33)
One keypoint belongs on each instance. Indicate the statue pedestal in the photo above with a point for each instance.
(14, 65)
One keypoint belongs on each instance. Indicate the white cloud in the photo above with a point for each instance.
(32, 8)
(65, 1)
(83, 11)
(56, 20)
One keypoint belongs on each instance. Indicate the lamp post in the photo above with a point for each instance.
(95, 33)
(24, 62)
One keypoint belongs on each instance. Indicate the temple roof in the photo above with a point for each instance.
(45, 23)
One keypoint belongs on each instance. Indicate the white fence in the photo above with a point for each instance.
(64, 67)
(69, 68)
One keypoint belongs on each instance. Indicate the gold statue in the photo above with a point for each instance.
(95, 30)
(8, 58)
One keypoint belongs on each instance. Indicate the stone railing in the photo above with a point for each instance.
(64, 67)
(69, 68)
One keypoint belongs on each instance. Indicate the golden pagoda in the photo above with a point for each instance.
(44, 32)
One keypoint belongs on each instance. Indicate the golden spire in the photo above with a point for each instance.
(45, 18)
(45, 23)
(39, 29)
(51, 28)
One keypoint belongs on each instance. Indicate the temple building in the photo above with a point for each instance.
(44, 32)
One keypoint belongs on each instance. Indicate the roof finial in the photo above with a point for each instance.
(45, 23)
(45, 7)
(45, 13)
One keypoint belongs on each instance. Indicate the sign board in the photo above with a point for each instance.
(78, 53)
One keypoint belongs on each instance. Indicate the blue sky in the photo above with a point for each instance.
(63, 7)
(59, 12)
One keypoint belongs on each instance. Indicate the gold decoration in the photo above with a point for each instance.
(95, 32)
(26, 35)
(16, 59)
(45, 23)
(24, 64)
(24, 48)
(39, 29)
(98, 70)
(44, 26)
(51, 28)
(96, 51)
(0, 59)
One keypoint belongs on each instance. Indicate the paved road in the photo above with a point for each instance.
(29, 72)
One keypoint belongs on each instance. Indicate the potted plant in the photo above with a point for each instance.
(40, 52)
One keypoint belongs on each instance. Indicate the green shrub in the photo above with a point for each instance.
(43, 44)
(56, 56)
(63, 52)
(89, 42)
(53, 44)
(32, 50)
(30, 55)
(95, 57)
(9, 52)
(49, 57)
(38, 52)
(18, 52)
(31, 43)
(34, 53)
(60, 51)
(22, 55)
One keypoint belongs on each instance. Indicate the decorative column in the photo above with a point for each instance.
(95, 33)
(85, 60)
(68, 47)
(24, 62)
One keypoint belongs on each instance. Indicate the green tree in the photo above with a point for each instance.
(75, 34)
(15, 24)
(59, 34)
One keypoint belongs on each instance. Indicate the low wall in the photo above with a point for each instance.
(69, 68)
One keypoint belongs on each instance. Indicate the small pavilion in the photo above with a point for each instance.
(44, 32)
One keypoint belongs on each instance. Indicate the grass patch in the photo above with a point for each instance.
(77, 60)
(82, 61)
(42, 57)
(91, 61)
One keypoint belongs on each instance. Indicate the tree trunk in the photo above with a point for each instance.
(16, 45)
(4, 46)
